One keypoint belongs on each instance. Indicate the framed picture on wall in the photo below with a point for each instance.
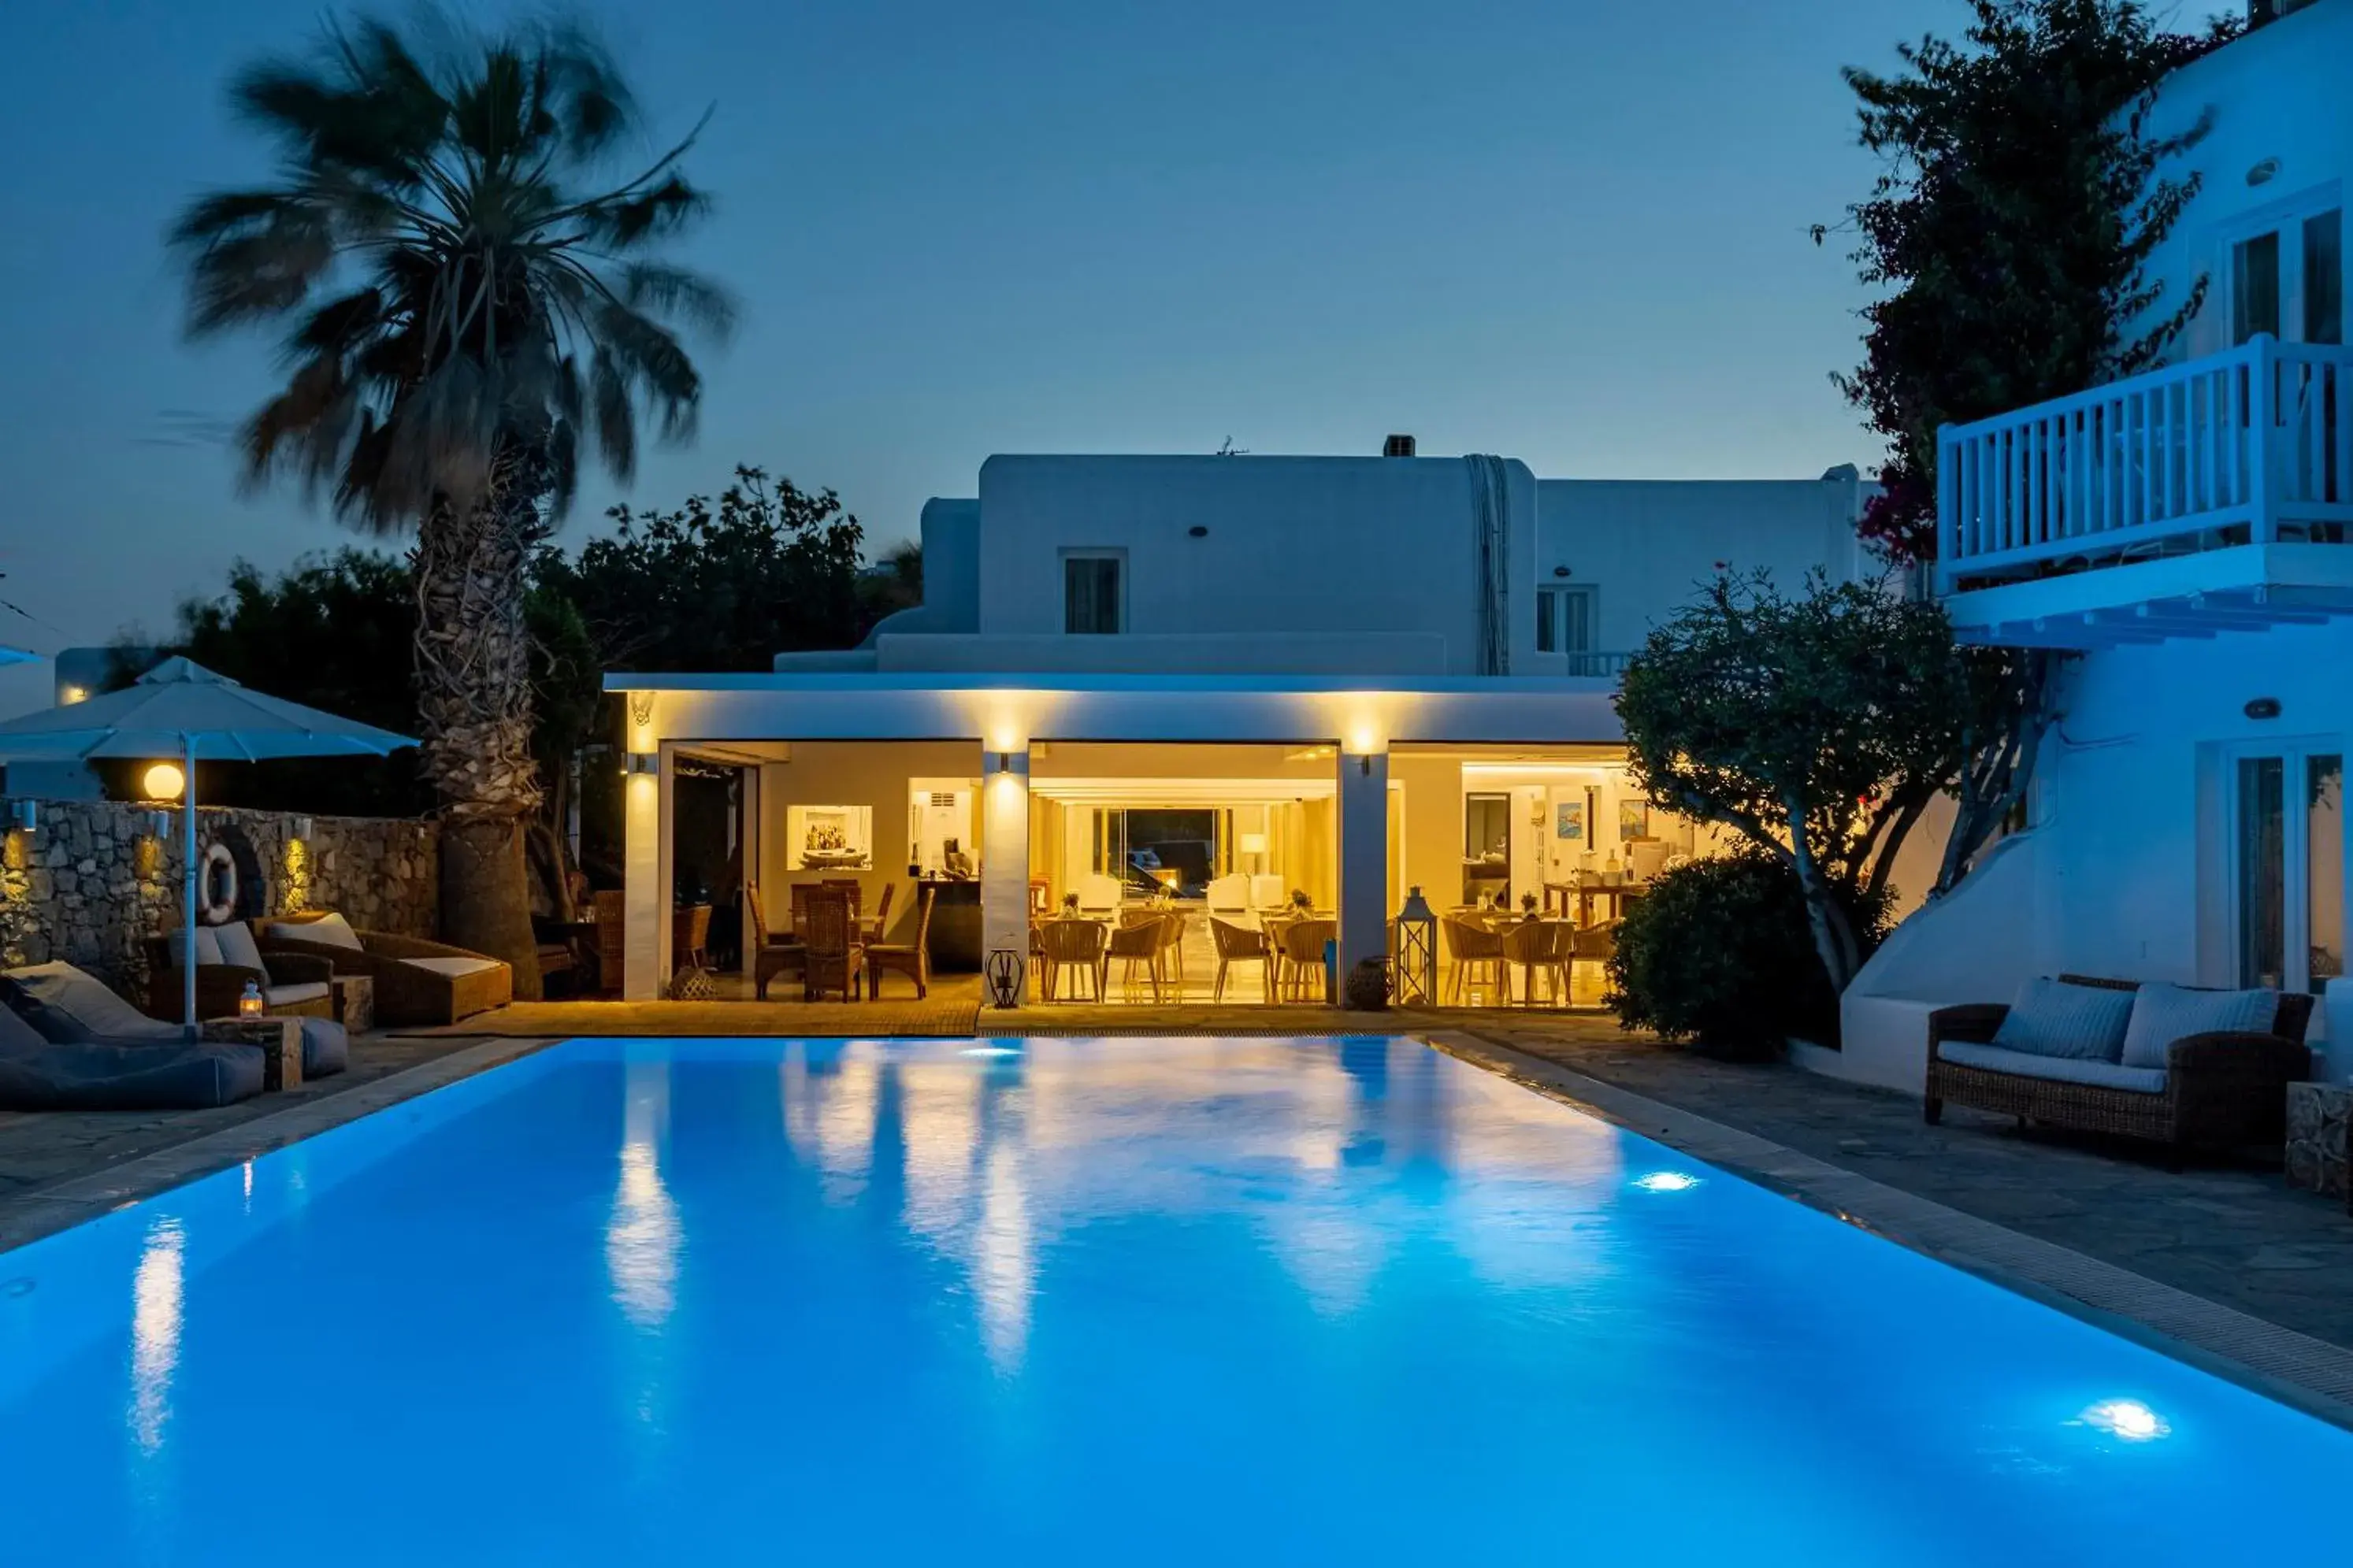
(829, 838)
(1633, 820)
(1568, 821)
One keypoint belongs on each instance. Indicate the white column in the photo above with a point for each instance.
(644, 947)
(1363, 826)
(1005, 855)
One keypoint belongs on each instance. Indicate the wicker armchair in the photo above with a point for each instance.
(771, 955)
(1476, 951)
(1074, 944)
(911, 959)
(219, 986)
(418, 983)
(1301, 945)
(2221, 1090)
(1136, 943)
(1541, 947)
(1239, 944)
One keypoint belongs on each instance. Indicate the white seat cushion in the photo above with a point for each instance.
(453, 967)
(328, 930)
(2163, 1014)
(2051, 1018)
(2064, 1069)
(208, 948)
(285, 995)
(235, 940)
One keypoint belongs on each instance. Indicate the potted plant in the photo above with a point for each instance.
(1301, 901)
(1527, 904)
(1070, 903)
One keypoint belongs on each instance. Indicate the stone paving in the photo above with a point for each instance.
(2234, 1233)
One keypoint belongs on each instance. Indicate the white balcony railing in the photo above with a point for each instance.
(2255, 446)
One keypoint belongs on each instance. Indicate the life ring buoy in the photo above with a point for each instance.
(217, 886)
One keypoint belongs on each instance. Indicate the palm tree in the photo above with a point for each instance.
(467, 300)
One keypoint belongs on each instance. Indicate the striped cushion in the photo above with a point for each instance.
(2052, 1019)
(2163, 1014)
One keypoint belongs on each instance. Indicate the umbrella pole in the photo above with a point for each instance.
(188, 891)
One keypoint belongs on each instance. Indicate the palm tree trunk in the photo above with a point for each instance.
(473, 691)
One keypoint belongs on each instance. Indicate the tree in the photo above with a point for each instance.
(2010, 232)
(468, 303)
(333, 632)
(1819, 727)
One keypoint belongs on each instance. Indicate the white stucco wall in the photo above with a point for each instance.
(2278, 94)
(1647, 545)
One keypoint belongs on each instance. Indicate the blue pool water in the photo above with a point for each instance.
(1124, 1301)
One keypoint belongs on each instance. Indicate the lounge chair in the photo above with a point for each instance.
(292, 984)
(2216, 1087)
(60, 1050)
(418, 983)
(911, 959)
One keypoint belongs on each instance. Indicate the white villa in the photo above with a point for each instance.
(1237, 678)
(2182, 535)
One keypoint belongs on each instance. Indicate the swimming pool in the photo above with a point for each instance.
(1058, 1301)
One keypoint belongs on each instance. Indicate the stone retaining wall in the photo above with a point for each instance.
(92, 881)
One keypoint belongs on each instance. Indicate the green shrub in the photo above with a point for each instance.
(1719, 952)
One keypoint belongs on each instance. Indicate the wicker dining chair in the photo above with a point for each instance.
(1073, 944)
(612, 908)
(1134, 945)
(1302, 956)
(1475, 950)
(911, 959)
(1239, 944)
(772, 954)
(837, 958)
(1537, 948)
(879, 921)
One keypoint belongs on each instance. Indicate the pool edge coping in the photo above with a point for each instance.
(77, 1200)
(2295, 1369)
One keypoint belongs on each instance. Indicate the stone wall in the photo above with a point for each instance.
(93, 880)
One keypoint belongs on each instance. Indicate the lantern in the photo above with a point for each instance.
(1004, 969)
(249, 1004)
(1413, 977)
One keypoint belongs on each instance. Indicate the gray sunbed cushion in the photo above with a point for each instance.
(68, 1007)
(109, 1075)
(326, 1049)
(237, 947)
(208, 947)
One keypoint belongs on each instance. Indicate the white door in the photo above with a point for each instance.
(2288, 844)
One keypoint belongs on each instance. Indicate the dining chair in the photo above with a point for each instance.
(1134, 945)
(1302, 955)
(1475, 950)
(612, 908)
(1172, 948)
(772, 954)
(1539, 948)
(836, 957)
(1074, 944)
(1239, 944)
(881, 919)
(911, 959)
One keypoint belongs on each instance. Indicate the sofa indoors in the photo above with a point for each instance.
(418, 983)
(2180, 1065)
(68, 1043)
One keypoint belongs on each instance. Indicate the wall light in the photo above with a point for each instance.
(25, 815)
(164, 781)
(69, 695)
(159, 825)
(643, 764)
(303, 827)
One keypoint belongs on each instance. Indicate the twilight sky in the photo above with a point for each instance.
(1570, 231)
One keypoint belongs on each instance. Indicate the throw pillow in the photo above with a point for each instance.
(68, 1007)
(328, 930)
(2163, 1014)
(208, 949)
(2052, 1019)
(237, 947)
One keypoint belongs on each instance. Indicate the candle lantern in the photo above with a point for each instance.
(249, 1006)
(1414, 975)
(1004, 970)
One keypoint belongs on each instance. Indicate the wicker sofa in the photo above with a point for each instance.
(2218, 1091)
(295, 986)
(418, 983)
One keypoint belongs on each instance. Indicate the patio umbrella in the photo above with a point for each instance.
(181, 710)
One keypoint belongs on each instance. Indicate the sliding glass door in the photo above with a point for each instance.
(2288, 876)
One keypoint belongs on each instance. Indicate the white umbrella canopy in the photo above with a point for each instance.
(181, 710)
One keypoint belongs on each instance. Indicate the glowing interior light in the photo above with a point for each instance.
(990, 1051)
(1666, 1182)
(2127, 1418)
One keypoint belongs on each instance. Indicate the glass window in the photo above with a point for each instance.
(2263, 872)
(2255, 287)
(1548, 620)
(1091, 593)
(2324, 277)
(2324, 850)
(1565, 619)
